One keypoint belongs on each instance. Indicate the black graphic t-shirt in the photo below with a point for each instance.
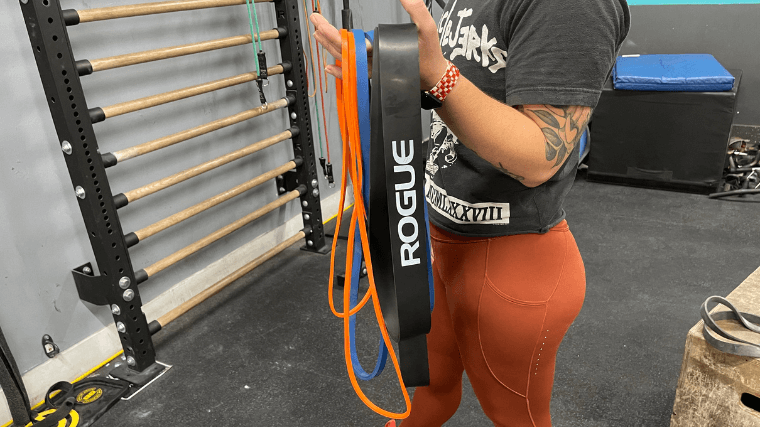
(519, 52)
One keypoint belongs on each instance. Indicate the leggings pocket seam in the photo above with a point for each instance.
(508, 298)
(487, 280)
(561, 272)
(458, 242)
(483, 352)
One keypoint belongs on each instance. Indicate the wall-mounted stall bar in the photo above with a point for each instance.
(115, 282)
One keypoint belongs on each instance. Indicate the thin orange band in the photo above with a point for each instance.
(352, 167)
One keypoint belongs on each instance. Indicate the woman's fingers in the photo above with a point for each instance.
(319, 21)
(335, 71)
(330, 39)
(432, 62)
(419, 14)
(335, 50)
(327, 35)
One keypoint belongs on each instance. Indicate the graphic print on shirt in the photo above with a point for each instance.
(473, 45)
(468, 41)
(461, 211)
(444, 142)
(442, 156)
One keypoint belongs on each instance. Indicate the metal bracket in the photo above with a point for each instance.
(287, 182)
(123, 372)
(134, 391)
(324, 250)
(90, 287)
(50, 348)
(340, 279)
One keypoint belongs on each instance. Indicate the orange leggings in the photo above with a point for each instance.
(502, 307)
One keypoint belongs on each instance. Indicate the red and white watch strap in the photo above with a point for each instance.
(447, 82)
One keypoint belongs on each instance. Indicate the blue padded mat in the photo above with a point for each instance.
(674, 73)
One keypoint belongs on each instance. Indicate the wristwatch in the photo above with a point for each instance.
(429, 101)
(433, 98)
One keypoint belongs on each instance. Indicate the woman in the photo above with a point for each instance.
(521, 78)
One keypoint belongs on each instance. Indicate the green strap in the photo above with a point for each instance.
(256, 20)
(257, 35)
(253, 18)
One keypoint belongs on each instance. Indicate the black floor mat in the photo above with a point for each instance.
(94, 396)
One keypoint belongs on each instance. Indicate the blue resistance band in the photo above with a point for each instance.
(362, 86)
(429, 258)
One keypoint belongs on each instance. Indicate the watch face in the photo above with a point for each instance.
(429, 101)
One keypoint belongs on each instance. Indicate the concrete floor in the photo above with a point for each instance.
(268, 352)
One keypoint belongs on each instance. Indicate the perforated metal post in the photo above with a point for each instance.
(116, 283)
(288, 16)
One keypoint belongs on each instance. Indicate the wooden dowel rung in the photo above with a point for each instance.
(157, 144)
(190, 212)
(176, 95)
(222, 232)
(218, 286)
(169, 181)
(115, 12)
(112, 62)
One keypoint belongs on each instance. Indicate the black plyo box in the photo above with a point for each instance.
(668, 140)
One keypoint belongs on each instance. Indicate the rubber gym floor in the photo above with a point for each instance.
(267, 351)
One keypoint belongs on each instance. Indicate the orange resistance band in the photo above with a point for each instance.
(348, 115)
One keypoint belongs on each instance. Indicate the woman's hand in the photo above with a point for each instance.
(432, 62)
(329, 37)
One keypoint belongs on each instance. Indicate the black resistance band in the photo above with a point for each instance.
(398, 233)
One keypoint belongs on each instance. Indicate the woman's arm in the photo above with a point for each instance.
(529, 143)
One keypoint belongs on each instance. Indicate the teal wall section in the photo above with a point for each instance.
(654, 2)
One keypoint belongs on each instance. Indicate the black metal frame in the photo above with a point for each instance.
(291, 47)
(68, 107)
(116, 284)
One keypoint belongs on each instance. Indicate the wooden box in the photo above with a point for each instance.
(716, 389)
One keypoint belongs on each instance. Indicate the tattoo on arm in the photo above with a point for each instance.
(562, 126)
(504, 170)
(510, 174)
